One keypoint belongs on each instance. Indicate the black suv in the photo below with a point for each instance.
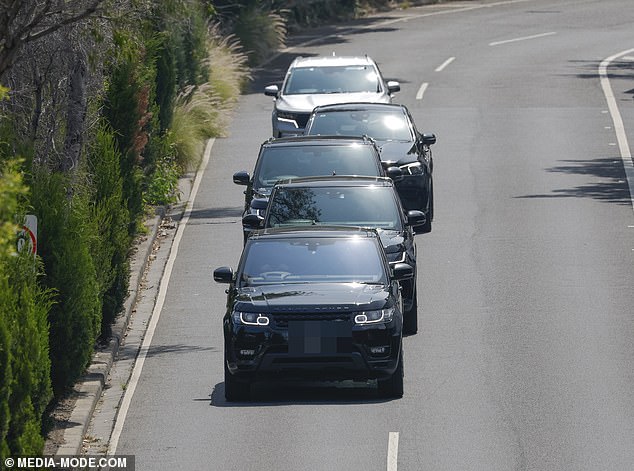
(310, 302)
(350, 201)
(308, 156)
(400, 143)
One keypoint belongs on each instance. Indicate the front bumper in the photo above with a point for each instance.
(365, 352)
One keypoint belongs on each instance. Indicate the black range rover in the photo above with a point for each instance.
(310, 302)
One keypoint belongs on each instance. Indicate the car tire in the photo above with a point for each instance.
(392, 387)
(410, 318)
(236, 389)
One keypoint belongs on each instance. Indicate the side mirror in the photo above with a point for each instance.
(223, 275)
(402, 271)
(241, 178)
(271, 90)
(416, 218)
(428, 139)
(394, 172)
(393, 86)
(253, 221)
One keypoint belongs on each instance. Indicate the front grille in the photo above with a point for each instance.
(282, 320)
(302, 119)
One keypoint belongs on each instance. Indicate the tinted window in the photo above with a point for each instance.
(344, 79)
(382, 125)
(276, 163)
(371, 206)
(318, 260)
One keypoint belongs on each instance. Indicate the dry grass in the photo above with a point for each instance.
(205, 111)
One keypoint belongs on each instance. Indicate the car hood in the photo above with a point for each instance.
(306, 103)
(311, 297)
(399, 152)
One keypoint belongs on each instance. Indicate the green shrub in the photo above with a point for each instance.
(111, 218)
(65, 242)
(162, 182)
(166, 76)
(30, 362)
(25, 386)
(129, 111)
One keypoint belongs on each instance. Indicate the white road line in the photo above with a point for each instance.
(392, 451)
(156, 313)
(421, 91)
(524, 38)
(619, 128)
(442, 66)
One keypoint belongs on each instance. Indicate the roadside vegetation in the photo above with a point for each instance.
(103, 105)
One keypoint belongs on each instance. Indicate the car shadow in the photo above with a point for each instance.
(273, 394)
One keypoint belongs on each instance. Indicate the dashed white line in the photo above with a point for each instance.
(617, 120)
(524, 38)
(442, 66)
(421, 91)
(392, 451)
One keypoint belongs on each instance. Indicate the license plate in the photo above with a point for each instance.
(313, 337)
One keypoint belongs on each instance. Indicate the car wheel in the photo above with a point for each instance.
(392, 387)
(236, 389)
(410, 318)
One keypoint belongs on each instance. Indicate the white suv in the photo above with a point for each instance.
(316, 81)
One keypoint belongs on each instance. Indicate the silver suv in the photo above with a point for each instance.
(316, 81)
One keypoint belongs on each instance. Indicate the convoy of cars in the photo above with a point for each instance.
(326, 284)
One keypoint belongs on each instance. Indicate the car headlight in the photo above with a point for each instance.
(250, 318)
(415, 168)
(286, 115)
(395, 257)
(374, 317)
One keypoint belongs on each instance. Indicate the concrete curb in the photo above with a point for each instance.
(90, 386)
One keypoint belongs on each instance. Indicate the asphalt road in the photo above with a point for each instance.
(524, 358)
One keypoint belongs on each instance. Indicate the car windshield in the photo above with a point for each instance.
(312, 260)
(380, 125)
(366, 206)
(276, 163)
(338, 79)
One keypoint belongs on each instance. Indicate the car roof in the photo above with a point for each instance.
(331, 61)
(317, 140)
(335, 180)
(359, 106)
(297, 232)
